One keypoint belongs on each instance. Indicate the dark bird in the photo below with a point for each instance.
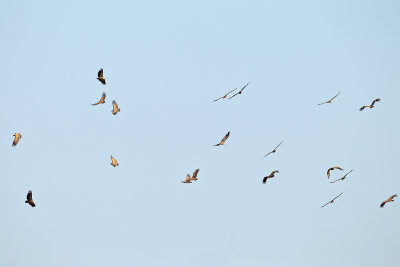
(372, 105)
(17, 136)
(188, 179)
(223, 139)
(344, 177)
(388, 200)
(102, 100)
(328, 173)
(273, 151)
(272, 175)
(240, 92)
(330, 101)
(114, 162)
(194, 176)
(223, 97)
(100, 76)
(29, 199)
(116, 109)
(333, 200)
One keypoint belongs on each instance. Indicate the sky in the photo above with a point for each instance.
(164, 63)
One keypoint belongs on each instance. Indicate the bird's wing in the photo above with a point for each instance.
(362, 108)
(337, 196)
(244, 87)
(375, 100)
(225, 137)
(103, 97)
(337, 167)
(335, 96)
(233, 96)
(218, 99)
(336, 180)
(115, 105)
(383, 204)
(16, 139)
(328, 173)
(230, 92)
(100, 73)
(278, 145)
(323, 103)
(29, 196)
(268, 153)
(195, 173)
(265, 179)
(325, 204)
(348, 173)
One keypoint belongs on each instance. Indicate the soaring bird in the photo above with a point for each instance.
(17, 136)
(388, 200)
(223, 97)
(188, 179)
(114, 162)
(344, 177)
(100, 76)
(372, 105)
(194, 176)
(272, 175)
(273, 151)
(240, 92)
(329, 101)
(29, 199)
(333, 200)
(328, 173)
(102, 100)
(223, 139)
(116, 109)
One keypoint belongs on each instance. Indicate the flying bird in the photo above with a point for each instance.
(344, 177)
(223, 97)
(17, 136)
(223, 139)
(333, 200)
(330, 100)
(188, 179)
(115, 108)
(240, 92)
(29, 199)
(388, 200)
(100, 76)
(114, 162)
(372, 105)
(273, 151)
(328, 173)
(102, 100)
(272, 175)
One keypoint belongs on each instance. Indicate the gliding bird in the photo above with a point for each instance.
(330, 101)
(273, 151)
(333, 200)
(223, 139)
(223, 97)
(372, 105)
(344, 177)
(388, 200)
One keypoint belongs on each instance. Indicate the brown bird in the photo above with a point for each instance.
(194, 176)
(333, 200)
(115, 108)
(272, 175)
(114, 162)
(100, 76)
(344, 177)
(388, 200)
(223, 139)
(330, 101)
(328, 173)
(240, 92)
(17, 136)
(29, 199)
(372, 105)
(223, 97)
(273, 151)
(102, 100)
(188, 179)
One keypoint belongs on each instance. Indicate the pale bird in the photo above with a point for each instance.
(372, 105)
(391, 198)
(344, 177)
(240, 92)
(102, 99)
(114, 162)
(194, 176)
(115, 108)
(328, 173)
(273, 151)
(188, 179)
(100, 76)
(29, 199)
(223, 139)
(330, 100)
(17, 136)
(223, 97)
(272, 175)
(333, 200)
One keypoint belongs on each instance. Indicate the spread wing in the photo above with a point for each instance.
(29, 196)
(195, 173)
(233, 95)
(376, 100)
(115, 105)
(337, 167)
(362, 108)
(268, 154)
(265, 179)
(225, 137)
(243, 87)
(103, 97)
(337, 196)
(278, 145)
(328, 173)
(100, 73)
(335, 96)
(325, 204)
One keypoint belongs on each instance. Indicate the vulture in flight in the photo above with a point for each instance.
(223, 97)
(114, 162)
(372, 105)
(116, 109)
(102, 99)
(240, 92)
(388, 200)
(272, 175)
(223, 139)
(344, 177)
(17, 136)
(29, 199)
(100, 76)
(333, 200)
(330, 100)
(328, 173)
(273, 151)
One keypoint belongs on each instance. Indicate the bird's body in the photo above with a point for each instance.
(223, 97)
(188, 179)
(116, 109)
(330, 100)
(102, 100)
(333, 200)
(273, 151)
(272, 175)
(114, 162)
(223, 139)
(390, 199)
(328, 173)
(344, 177)
(17, 137)
(370, 106)
(240, 92)
(29, 199)
(100, 76)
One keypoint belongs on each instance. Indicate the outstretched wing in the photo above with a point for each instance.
(278, 145)
(243, 87)
(362, 108)
(267, 154)
(335, 96)
(336, 180)
(103, 97)
(29, 196)
(375, 100)
(115, 105)
(234, 95)
(325, 204)
(337, 167)
(265, 179)
(100, 73)
(337, 196)
(225, 137)
(328, 173)
(195, 173)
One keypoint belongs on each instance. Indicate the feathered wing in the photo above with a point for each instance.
(100, 73)
(223, 139)
(278, 145)
(194, 176)
(243, 87)
(29, 199)
(335, 96)
(362, 108)
(115, 107)
(225, 95)
(265, 179)
(17, 136)
(375, 100)
(102, 100)
(337, 196)
(268, 154)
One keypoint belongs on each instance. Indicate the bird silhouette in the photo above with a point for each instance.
(272, 175)
(333, 200)
(273, 151)
(102, 100)
(372, 105)
(344, 177)
(330, 100)
(223, 139)
(390, 199)
(116, 109)
(114, 162)
(100, 76)
(328, 173)
(29, 199)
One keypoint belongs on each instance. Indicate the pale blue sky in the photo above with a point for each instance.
(164, 63)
